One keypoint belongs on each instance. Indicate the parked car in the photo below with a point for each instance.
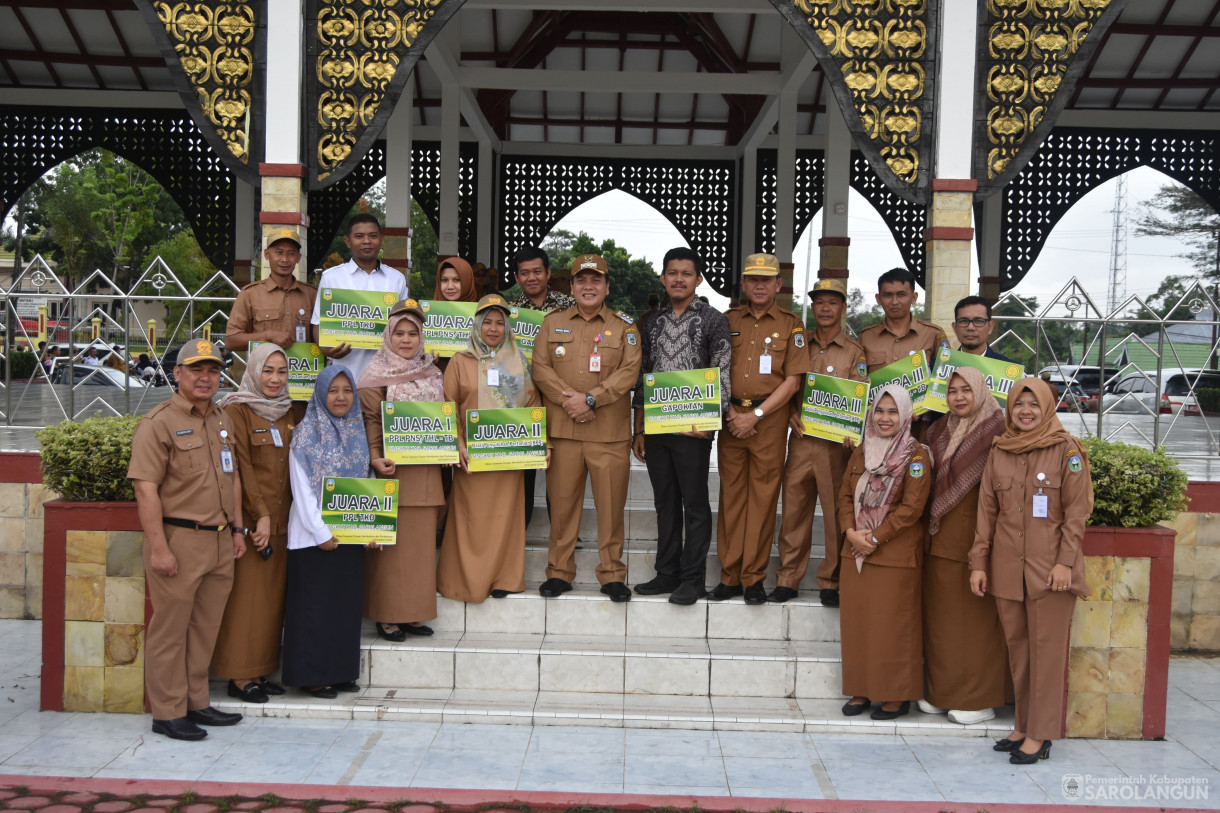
(1089, 378)
(1072, 397)
(100, 376)
(1141, 393)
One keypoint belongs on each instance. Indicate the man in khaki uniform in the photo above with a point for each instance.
(768, 362)
(276, 309)
(815, 466)
(586, 360)
(188, 495)
(899, 334)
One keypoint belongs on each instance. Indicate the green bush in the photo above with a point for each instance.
(86, 461)
(23, 363)
(1209, 399)
(1132, 486)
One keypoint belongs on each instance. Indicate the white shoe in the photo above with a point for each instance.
(972, 717)
(928, 708)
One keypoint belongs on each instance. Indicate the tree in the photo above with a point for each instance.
(192, 267)
(631, 279)
(859, 313)
(1053, 341)
(1179, 213)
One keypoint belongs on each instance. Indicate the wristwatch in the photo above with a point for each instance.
(758, 413)
(238, 529)
(591, 401)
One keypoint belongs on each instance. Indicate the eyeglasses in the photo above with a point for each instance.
(978, 321)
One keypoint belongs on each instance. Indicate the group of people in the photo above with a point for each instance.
(952, 545)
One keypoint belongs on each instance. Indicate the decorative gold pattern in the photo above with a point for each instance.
(214, 42)
(361, 46)
(880, 47)
(1030, 45)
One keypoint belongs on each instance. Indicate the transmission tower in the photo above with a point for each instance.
(1118, 246)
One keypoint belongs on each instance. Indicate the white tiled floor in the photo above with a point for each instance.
(445, 753)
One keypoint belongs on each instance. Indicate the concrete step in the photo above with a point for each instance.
(794, 714)
(641, 558)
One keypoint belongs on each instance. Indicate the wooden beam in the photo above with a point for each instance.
(751, 84)
(624, 6)
(98, 60)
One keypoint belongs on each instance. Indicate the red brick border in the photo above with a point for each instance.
(21, 467)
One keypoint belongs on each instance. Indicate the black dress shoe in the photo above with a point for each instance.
(397, 635)
(781, 594)
(687, 593)
(657, 586)
(724, 591)
(756, 594)
(252, 692)
(273, 689)
(851, 709)
(499, 593)
(179, 728)
(211, 716)
(1019, 757)
(321, 692)
(415, 629)
(829, 597)
(553, 588)
(617, 591)
(880, 713)
(1007, 744)
(346, 686)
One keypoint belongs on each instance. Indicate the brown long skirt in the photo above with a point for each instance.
(484, 547)
(879, 623)
(965, 655)
(400, 581)
(249, 642)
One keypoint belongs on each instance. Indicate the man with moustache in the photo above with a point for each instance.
(814, 471)
(686, 334)
(363, 272)
(586, 360)
(973, 326)
(275, 309)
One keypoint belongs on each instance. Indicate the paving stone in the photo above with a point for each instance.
(79, 799)
(61, 808)
(29, 803)
(116, 806)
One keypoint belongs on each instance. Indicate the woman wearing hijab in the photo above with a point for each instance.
(1035, 499)
(325, 579)
(880, 507)
(965, 659)
(455, 281)
(484, 548)
(401, 579)
(262, 417)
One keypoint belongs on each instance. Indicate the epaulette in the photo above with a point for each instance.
(624, 317)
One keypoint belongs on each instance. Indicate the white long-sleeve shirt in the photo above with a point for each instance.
(353, 277)
(305, 526)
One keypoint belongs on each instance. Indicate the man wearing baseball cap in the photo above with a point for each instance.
(767, 365)
(815, 466)
(275, 309)
(586, 360)
(188, 494)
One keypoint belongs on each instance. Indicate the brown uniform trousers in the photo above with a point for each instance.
(752, 470)
(600, 448)
(177, 446)
(814, 471)
(248, 644)
(263, 305)
(1017, 551)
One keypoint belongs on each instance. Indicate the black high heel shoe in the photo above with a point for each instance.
(1007, 744)
(1022, 758)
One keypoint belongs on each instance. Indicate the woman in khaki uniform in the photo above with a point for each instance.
(965, 658)
(484, 549)
(262, 418)
(1035, 499)
(400, 580)
(881, 506)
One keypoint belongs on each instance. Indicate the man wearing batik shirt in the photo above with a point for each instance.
(533, 277)
(686, 334)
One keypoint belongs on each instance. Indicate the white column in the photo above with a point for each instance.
(285, 61)
(785, 177)
(838, 172)
(484, 246)
(991, 232)
(451, 125)
(245, 244)
(955, 91)
(749, 208)
(398, 160)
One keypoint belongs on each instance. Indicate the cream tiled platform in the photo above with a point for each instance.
(581, 659)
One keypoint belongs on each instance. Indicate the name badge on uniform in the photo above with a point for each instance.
(277, 438)
(1040, 506)
(493, 376)
(764, 364)
(226, 461)
(595, 362)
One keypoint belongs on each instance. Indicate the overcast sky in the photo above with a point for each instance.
(1079, 244)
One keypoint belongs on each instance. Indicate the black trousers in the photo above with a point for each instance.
(531, 479)
(678, 468)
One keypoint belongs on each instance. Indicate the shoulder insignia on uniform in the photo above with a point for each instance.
(944, 344)
(625, 317)
(916, 469)
(798, 338)
(631, 337)
(917, 457)
(1075, 462)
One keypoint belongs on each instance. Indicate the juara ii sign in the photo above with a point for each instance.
(360, 510)
(353, 317)
(998, 375)
(910, 372)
